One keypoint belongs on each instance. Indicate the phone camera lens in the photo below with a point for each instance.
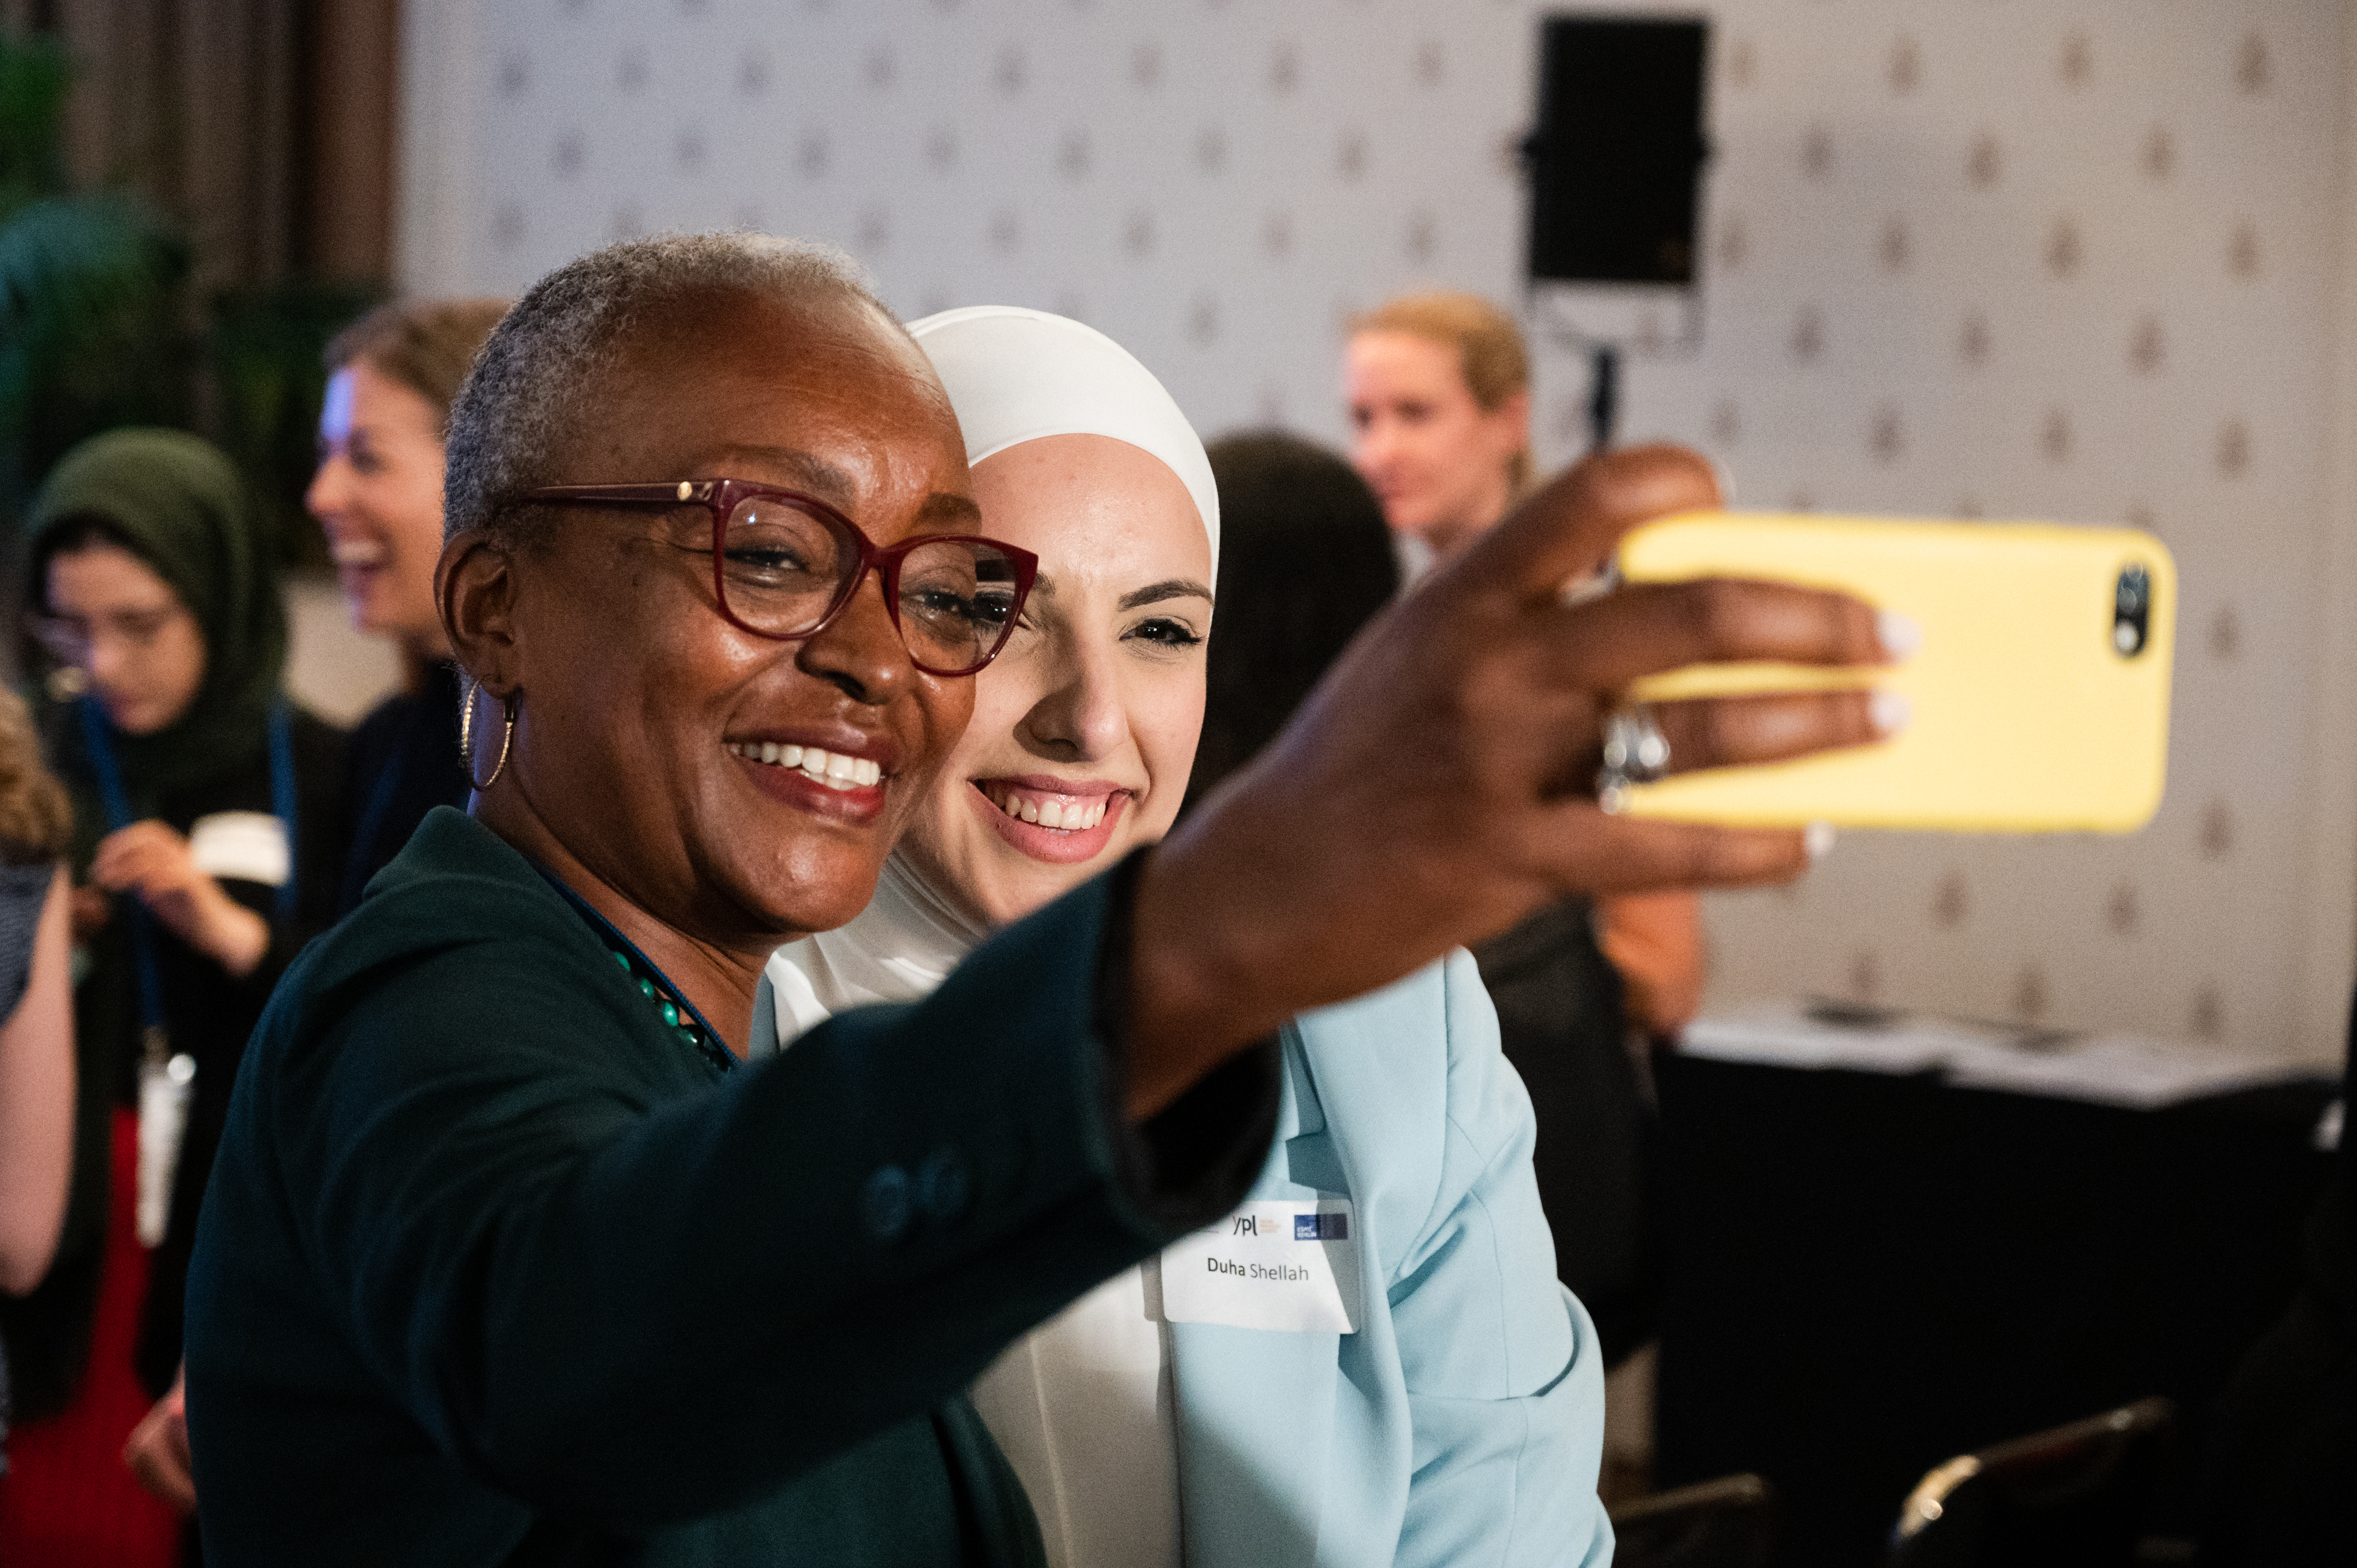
(2131, 611)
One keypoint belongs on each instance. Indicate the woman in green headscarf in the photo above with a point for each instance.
(203, 859)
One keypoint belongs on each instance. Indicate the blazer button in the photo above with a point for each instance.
(943, 1184)
(884, 1204)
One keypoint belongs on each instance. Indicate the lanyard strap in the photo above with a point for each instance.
(117, 803)
(282, 798)
(372, 823)
(98, 741)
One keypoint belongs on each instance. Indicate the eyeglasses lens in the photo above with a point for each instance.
(64, 641)
(69, 639)
(783, 568)
(956, 599)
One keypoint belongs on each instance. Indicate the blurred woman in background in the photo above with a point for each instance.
(1232, 1431)
(378, 497)
(1306, 561)
(203, 817)
(1439, 391)
(36, 1065)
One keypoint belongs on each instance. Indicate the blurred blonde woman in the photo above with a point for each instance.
(1438, 385)
(36, 1041)
(378, 497)
(36, 1065)
(1439, 389)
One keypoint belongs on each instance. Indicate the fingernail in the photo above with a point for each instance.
(1901, 637)
(1889, 710)
(1817, 838)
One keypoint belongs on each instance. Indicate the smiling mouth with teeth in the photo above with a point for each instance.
(1071, 815)
(831, 768)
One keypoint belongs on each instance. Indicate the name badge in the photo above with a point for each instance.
(165, 1085)
(242, 846)
(1289, 1265)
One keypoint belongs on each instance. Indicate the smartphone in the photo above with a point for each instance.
(2039, 694)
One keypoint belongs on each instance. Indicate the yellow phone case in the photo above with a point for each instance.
(2028, 716)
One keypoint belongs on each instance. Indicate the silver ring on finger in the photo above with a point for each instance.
(1635, 752)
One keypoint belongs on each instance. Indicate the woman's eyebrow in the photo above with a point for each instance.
(1169, 588)
(805, 471)
(942, 506)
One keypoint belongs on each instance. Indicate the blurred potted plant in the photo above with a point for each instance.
(91, 328)
(264, 353)
(96, 329)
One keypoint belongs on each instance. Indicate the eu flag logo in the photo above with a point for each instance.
(1321, 1227)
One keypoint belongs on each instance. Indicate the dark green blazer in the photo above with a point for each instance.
(493, 1269)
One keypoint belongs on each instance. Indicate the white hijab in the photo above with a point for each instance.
(1013, 375)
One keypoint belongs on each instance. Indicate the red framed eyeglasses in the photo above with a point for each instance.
(785, 564)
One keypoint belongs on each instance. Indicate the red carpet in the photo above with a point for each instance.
(68, 1501)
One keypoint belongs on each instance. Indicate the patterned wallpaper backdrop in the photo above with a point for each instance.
(1980, 258)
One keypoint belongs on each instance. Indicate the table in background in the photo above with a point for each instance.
(1871, 1272)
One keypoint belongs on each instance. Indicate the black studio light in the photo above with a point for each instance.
(1615, 166)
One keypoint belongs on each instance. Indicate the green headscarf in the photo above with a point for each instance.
(187, 512)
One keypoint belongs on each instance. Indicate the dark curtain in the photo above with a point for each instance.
(264, 131)
(265, 126)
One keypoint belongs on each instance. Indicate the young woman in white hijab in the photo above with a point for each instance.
(1369, 1362)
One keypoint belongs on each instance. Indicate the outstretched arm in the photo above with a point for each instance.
(631, 1295)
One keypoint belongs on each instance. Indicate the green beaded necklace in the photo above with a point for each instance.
(677, 1015)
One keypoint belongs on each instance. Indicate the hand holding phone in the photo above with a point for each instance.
(2037, 699)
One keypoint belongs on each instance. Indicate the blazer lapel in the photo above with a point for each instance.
(1256, 1408)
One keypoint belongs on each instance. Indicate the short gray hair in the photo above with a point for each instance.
(537, 378)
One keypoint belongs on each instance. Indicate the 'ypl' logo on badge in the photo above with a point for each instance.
(1321, 1227)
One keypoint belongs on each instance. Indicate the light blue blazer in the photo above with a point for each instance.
(1464, 1422)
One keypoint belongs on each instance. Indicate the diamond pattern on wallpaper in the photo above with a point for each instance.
(1989, 260)
(1954, 902)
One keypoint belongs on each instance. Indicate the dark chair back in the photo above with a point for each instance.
(1726, 1523)
(2076, 1495)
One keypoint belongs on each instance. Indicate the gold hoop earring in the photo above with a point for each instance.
(467, 733)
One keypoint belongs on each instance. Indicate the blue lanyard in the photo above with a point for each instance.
(372, 815)
(97, 740)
